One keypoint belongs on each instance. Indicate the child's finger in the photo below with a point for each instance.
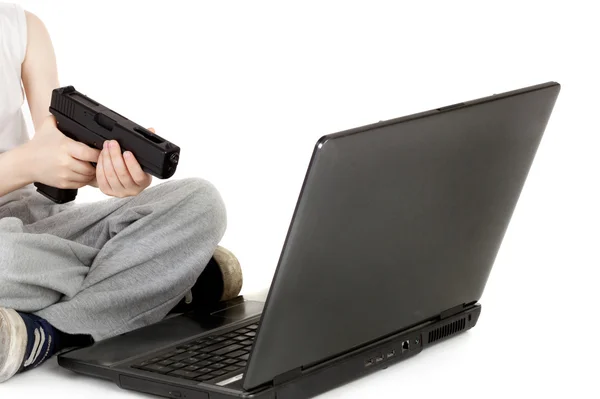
(81, 167)
(82, 152)
(109, 171)
(121, 170)
(135, 170)
(101, 177)
(93, 183)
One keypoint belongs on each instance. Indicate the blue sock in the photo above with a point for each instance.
(43, 341)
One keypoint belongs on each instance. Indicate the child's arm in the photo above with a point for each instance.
(50, 157)
(39, 75)
(38, 72)
(14, 169)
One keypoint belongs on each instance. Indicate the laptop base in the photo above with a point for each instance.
(305, 383)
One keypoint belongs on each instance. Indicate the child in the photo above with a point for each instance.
(72, 274)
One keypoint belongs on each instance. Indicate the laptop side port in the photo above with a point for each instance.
(391, 353)
(405, 346)
(369, 362)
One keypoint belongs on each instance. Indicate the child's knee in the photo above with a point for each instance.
(8, 254)
(206, 203)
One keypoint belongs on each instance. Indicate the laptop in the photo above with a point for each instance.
(393, 237)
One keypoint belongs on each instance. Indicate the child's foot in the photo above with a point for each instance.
(221, 280)
(231, 273)
(26, 341)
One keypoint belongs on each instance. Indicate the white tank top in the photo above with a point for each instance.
(13, 44)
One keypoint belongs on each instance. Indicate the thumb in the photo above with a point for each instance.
(152, 129)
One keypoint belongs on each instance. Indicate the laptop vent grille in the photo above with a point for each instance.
(447, 330)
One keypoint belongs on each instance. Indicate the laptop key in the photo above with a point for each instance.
(247, 342)
(144, 363)
(191, 368)
(217, 358)
(251, 334)
(219, 373)
(228, 349)
(178, 365)
(156, 368)
(203, 363)
(184, 374)
(243, 331)
(217, 365)
(205, 370)
(219, 345)
(231, 368)
(244, 357)
(229, 361)
(239, 337)
(242, 363)
(206, 377)
(237, 354)
(166, 362)
(180, 357)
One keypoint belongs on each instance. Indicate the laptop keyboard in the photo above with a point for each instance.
(207, 358)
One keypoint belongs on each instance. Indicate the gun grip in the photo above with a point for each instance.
(58, 195)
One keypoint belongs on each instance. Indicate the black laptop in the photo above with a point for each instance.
(390, 247)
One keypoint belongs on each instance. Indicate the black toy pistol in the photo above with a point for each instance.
(83, 119)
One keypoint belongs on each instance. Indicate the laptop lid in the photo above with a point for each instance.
(396, 223)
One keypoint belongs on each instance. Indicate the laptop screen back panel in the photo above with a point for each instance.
(396, 224)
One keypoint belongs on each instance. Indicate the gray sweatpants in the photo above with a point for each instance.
(108, 267)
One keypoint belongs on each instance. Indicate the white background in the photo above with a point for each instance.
(246, 89)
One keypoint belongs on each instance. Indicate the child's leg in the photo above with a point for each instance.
(109, 267)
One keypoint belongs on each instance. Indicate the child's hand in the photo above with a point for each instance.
(119, 174)
(58, 161)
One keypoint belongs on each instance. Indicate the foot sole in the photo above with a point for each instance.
(233, 278)
(13, 343)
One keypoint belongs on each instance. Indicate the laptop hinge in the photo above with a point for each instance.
(452, 311)
(287, 376)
